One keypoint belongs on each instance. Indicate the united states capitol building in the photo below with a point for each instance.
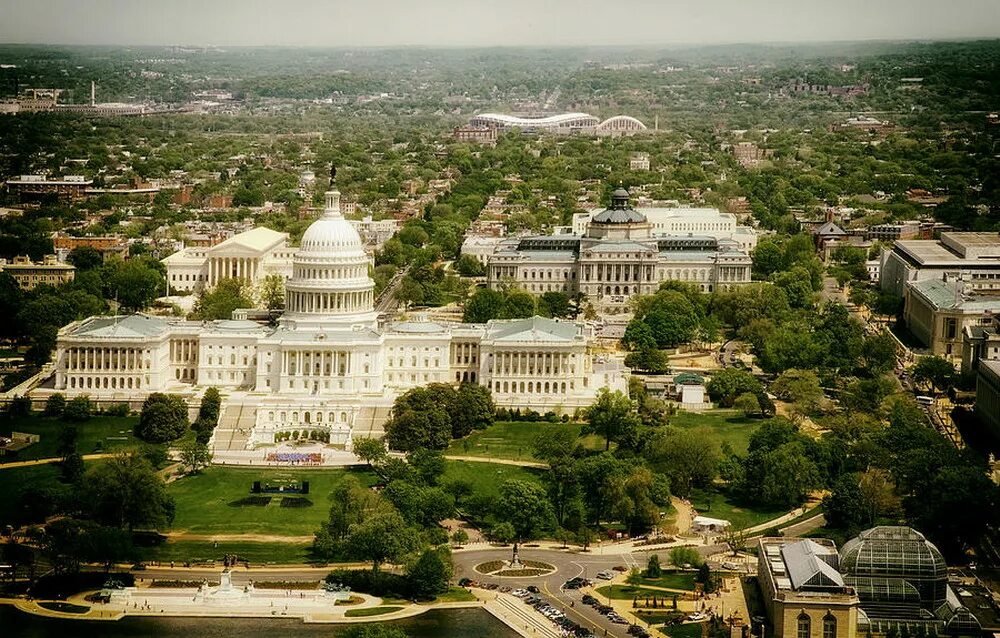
(331, 363)
(620, 252)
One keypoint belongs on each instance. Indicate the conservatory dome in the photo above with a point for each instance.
(896, 552)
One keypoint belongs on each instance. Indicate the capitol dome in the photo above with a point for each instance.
(331, 233)
(330, 286)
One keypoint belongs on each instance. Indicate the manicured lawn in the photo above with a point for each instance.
(716, 504)
(671, 580)
(455, 595)
(217, 501)
(98, 434)
(370, 611)
(730, 426)
(486, 478)
(256, 553)
(514, 439)
(686, 630)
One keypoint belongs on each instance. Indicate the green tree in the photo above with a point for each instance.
(85, 258)
(748, 404)
(163, 418)
(420, 418)
(690, 458)
(473, 409)
(469, 266)
(525, 506)
(382, 537)
(372, 451)
(653, 569)
(125, 491)
(195, 456)
(221, 301)
(483, 305)
(272, 292)
(79, 408)
(726, 385)
(937, 372)
(684, 556)
(612, 416)
(430, 574)
(460, 537)
(799, 386)
(134, 283)
(55, 405)
(518, 304)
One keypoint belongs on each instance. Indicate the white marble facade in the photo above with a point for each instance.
(331, 363)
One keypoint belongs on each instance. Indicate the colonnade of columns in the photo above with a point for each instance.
(105, 359)
(329, 301)
(513, 363)
(183, 351)
(464, 353)
(229, 267)
(614, 273)
(315, 363)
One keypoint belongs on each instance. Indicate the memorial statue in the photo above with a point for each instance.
(333, 174)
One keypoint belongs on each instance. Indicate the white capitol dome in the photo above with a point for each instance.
(330, 286)
(331, 234)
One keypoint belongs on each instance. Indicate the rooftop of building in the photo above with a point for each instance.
(948, 295)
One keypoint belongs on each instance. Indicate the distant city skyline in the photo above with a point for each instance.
(489, 22)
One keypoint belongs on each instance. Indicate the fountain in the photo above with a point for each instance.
(229, 599)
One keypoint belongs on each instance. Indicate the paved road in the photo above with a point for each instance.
(567, 565)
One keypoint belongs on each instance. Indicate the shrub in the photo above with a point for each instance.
(55, 405)
(78, 408)
(118, 409)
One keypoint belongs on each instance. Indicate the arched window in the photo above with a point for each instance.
(829, 626)
(803, 626)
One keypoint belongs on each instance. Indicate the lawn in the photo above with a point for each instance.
(716, 504)
(486, 478)
(514, 439)
(670, 580)
(730, 426)
(202, 551)
(455, 595)
(686, 630)
(98, 434)
(217, 501)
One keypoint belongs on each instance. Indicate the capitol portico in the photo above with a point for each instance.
(331, 364)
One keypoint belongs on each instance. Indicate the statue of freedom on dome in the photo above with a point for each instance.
(333, 174)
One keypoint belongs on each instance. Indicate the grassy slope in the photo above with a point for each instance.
(728, 425)
(99, 434)
(513, 440)
(210, 502)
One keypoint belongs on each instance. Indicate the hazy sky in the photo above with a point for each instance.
(488, 22)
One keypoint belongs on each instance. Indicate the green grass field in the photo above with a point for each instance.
(730, 426)
(98, 434)
(215, 501)
(686, 630)
(670, 580)
(716, 504)
(514, 439)
(486, 478)
(256, 553)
